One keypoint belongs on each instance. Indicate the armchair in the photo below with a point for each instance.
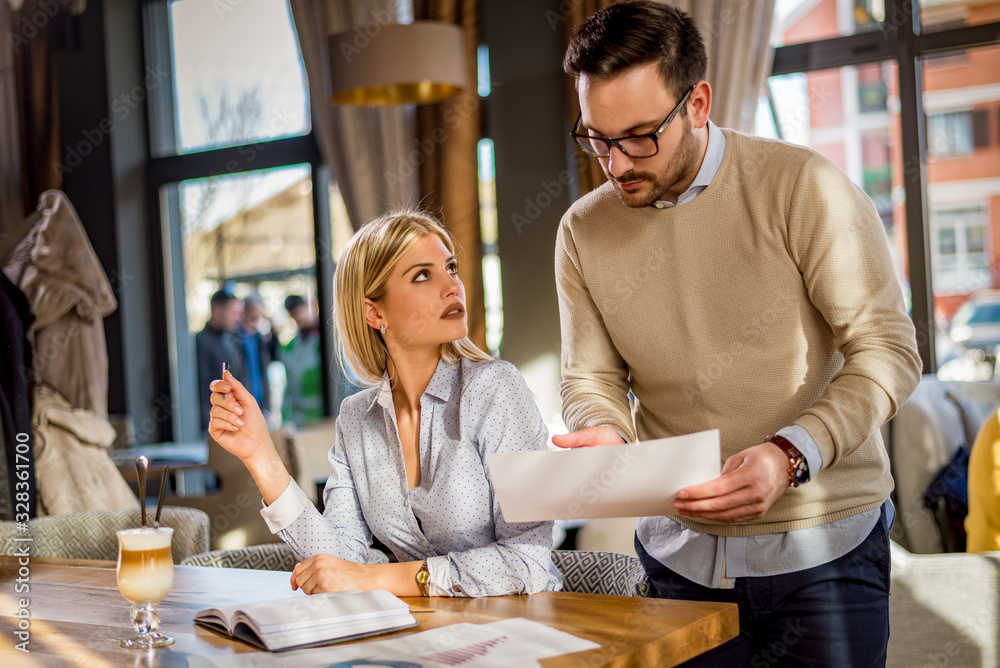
(944, 608)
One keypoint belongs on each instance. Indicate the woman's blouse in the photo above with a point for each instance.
(452, 518)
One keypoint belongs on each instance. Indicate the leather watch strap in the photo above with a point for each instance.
(798, 468)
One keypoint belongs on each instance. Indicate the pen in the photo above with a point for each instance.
(225, 368)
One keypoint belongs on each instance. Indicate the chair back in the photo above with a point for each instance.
(268, 557)
(91, 534)
(584, 572)
(606, 573)
(924, 435)
(309, 448)
(234, 512)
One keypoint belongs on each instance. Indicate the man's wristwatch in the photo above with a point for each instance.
(423, 577)
(798, 468)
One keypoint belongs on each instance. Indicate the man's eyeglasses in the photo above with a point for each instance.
(638, 146)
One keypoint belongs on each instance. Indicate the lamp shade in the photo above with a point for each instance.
(378, 65)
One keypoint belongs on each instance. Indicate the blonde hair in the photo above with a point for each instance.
(363, 272)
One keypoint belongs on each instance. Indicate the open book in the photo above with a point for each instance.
(307, 621)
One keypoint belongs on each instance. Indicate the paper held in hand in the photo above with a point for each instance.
(308, 621)
(630, 480)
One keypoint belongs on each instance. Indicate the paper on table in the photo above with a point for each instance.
(630, 480)
(509, 642)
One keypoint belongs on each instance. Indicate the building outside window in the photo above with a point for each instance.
(856, 114)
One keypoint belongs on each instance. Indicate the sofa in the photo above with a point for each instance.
(944, 608)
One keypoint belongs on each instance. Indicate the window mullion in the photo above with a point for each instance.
(914, 145)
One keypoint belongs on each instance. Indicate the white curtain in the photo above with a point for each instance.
(737, 38)
(11, 206)
(361, 145)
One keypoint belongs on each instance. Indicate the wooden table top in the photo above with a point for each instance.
(77, 616)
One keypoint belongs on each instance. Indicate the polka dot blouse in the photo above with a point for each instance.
(451, 519)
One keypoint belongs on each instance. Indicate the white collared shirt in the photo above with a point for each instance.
(452, 518)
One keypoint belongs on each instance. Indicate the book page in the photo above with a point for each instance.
(321, 609)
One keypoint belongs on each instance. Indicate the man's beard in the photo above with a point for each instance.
(676, 171)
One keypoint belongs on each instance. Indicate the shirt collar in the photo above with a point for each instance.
(442, 383)
(710, 165)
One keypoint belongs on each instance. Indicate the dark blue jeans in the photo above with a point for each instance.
(836, 614)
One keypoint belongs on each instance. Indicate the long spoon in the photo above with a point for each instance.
(159, 498)
(141, 464)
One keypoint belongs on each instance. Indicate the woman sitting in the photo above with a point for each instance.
(409, 455)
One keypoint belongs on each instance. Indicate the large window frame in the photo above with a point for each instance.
(165, 170)
(900, 39)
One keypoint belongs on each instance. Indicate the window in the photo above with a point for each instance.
(937, 15)
(960, 256)
(906, 111)
(237, 73)
(826, 110)
(235, 170)
(949, 134)
(962, 173)
(798, 21)
(488, 219)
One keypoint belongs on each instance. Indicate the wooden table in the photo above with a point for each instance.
(77, 616)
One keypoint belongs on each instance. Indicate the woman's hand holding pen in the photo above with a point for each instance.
(238, 425)
(236, 421)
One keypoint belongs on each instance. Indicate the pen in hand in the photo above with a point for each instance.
(225, 368)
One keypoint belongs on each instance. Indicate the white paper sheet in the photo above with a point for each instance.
(510, 642)
(628, 480)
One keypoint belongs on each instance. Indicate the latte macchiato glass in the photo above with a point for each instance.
(145, 576)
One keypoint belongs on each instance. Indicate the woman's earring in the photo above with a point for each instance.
(382, 328)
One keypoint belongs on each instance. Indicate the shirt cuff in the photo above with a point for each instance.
(439, 582)
(804, 443)
(286, 508)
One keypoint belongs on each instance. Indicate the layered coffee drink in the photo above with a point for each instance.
(145, 567)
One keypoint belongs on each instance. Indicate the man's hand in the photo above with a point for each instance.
(751, 481)
(587, 437)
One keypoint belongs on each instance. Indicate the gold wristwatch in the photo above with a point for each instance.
(798, 468)
(423, 578)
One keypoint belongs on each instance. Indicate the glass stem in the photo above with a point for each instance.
(145, 619)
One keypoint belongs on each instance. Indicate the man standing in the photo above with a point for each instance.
(303, 400)
(217, 343)
(737, 283)
(258, 350)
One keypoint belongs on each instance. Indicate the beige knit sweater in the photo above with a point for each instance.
(768, 300)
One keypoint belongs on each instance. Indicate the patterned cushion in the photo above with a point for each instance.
(91, 534)
(607, 573)
(586, 572)
(268, 557)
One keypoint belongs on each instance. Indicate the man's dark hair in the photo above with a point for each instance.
(221, 298)
(292, 302)
(639, 32)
